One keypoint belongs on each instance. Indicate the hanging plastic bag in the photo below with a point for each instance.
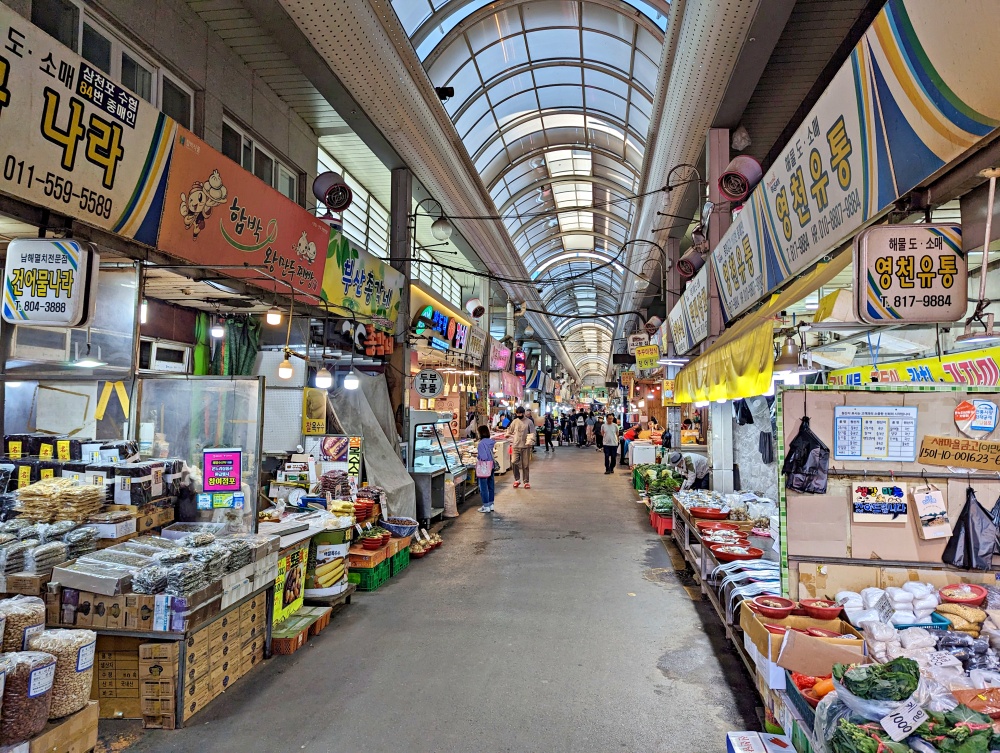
(995, 515)
(807, 462)
(971, 545)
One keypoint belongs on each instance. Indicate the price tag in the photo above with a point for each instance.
(360, 529)
(368, 526)
(884, 608)
(904, 721)
(425, 535)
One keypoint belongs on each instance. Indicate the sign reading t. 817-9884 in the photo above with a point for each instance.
(73, 140)
(910, 273)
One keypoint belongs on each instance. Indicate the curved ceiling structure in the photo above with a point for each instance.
(553, 100)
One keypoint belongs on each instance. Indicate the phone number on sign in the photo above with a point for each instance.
(50, 307)
(906, 301)
(61, 189)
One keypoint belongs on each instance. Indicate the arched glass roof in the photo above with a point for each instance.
(552, 101)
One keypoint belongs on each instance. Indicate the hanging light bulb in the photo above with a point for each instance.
(441, 228)
(218, 330)
(285, 369)
(324, 379)
(273, 316)
(351, 381)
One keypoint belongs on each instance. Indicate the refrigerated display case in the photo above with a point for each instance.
(435, 451)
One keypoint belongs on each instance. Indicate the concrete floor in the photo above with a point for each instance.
(558, 623)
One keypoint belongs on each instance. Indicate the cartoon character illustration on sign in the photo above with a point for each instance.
(197, 204)
(305, 248)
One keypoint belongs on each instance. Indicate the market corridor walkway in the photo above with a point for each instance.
(558, 624)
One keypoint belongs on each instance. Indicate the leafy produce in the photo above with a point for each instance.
(894, 681)
(864, 738)
(660, 479)
(960, 730)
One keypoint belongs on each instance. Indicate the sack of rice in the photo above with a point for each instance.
(74, 651)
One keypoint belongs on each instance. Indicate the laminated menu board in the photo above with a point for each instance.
(887, 433)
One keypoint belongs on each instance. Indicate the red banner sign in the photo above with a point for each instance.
(217, 213)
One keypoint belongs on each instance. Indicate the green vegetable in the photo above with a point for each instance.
(864, 738)
(894, 681)
(960, 730)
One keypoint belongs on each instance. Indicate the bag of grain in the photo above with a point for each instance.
(23, 617)
(74, 651)
(27, 695)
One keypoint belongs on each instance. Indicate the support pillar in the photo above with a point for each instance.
(400, 253)
(716, 159)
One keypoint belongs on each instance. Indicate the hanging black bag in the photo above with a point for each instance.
(995, 515)
(807, 462)
(973, 538)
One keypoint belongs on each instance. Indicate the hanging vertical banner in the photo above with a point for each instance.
(313, 411)
(695, 300)
(910, 273)
(75, 141)
(679, 330)
(218, 214)
(904, 105)
(354, 464)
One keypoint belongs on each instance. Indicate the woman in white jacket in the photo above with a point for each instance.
(522, 434)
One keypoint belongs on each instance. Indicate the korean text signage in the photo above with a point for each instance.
(902, 107)
(356, 280)
(354, 464)
(222, 471)
(47, 283)
(475, 344)
(875, 433)
(313, 411)
(431, 318)
(695, 300)
(217, 213)
(499, 356)
(520, 366)
(637, 340)
(879, 503)
(910, 273)
(980, 368)
(679, 334)
(76, 142)
(960, 453)
(429, 383)
(976, 418)
(647, 356)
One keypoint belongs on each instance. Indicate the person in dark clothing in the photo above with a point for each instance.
(581, 429)
(548, 426)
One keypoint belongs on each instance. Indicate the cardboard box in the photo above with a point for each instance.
(109, 583)
(28, 584)
(165, 651)
(101, 604)
(116, 612)
(160, 721)
(114, 530)
(361, 557)
(158, 706)
(816, 656)
(157, 669)
(72, 734)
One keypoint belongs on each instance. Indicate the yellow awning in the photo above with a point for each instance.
(740, 363)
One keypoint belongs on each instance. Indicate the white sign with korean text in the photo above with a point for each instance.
(46, 283)
(887, 433)
(677, 321)
(637, 340)
(429, 383)
(75, 141)
(887, 121)
(910, 273)
(695, 300)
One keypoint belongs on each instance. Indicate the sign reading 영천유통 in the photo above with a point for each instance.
(901, 107)
(647, 356)
(355, 279)
(217, 213)
(75, 141)
(910, 273)
(975, 367)
(47, 283)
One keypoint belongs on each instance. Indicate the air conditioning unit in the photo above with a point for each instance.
(164, 357)
(38, 344)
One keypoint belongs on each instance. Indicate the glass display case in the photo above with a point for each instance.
(435, 446)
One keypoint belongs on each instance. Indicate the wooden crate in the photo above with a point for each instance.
(76, 733)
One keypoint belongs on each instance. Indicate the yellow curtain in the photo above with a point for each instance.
(741, 368)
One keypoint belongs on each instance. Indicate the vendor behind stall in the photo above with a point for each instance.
(694, 468)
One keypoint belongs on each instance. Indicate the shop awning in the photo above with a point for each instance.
(739, 364)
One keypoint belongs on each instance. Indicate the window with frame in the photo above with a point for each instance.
(240, 147)
(69, 23)
(366, 221)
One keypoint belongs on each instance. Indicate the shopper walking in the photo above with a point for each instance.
(591, 426)
(548, 426)
(599, 433)
(486, 465)
(522, 433)
(609, 438)
(581, 429)
(694, 467)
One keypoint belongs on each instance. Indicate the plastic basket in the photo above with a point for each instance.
(400, 531)
(399, 562)
(369, 578)
(938, 621)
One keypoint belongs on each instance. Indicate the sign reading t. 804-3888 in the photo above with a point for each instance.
(75, 141)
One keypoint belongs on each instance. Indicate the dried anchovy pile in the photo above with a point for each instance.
(173, 556)
(197, 539)
(185, 578)
(151, 579)
(44, 557)
(118, 557)
(156, 541)
(240, 553)
(14, 525)
(80, 541)
(12, 555)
